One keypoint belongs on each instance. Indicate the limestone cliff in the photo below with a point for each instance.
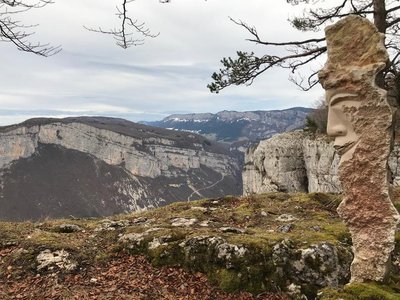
(101, 166)
(321, 162)
(299, 162)
(276, 164)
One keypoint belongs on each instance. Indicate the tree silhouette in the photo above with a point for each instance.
(247, 66)
(19, 34)
(131, 31)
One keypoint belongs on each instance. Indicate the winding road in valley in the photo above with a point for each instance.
(205, 188)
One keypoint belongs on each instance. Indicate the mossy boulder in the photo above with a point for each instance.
(256, 256)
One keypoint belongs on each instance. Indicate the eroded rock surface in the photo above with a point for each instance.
(48, 260)
(276, 164)
(310, 165)
(360, 119)
(321, 264)
(320, 161)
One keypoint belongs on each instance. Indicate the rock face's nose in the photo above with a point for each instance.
(356, 54)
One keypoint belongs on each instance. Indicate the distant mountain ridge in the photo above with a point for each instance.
(233, 126)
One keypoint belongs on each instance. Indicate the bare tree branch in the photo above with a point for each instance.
(393, 22)
(126, 35)
(15, 32)
(130, 33)
(312, 81)
(314, 19)
(393, 9)
(256, 39)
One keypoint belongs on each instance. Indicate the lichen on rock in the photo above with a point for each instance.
(48, 260)
(319, 265)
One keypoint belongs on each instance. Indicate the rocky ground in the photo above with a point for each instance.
(271, 246)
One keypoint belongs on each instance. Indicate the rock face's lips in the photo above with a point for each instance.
(341, 149)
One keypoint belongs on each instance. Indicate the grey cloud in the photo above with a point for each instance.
(166, 75)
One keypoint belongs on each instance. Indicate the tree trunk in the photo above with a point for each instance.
(380, 15)
(380, 23)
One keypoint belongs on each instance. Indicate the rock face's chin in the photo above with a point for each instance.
(356, 54)
(346, 152)
(102, 166)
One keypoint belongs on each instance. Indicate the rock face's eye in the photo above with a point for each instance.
(343, 97)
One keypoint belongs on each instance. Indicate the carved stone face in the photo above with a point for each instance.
(340, 125)
(355, 56)
(341, 106)
(343, 102)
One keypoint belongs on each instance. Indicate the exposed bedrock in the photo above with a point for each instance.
(292, 162)
(271, 166)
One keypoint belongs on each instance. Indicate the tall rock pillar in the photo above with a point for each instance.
(360, 119)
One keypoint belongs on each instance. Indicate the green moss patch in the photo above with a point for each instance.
(360, 291)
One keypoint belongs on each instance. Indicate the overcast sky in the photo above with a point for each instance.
(166, 75)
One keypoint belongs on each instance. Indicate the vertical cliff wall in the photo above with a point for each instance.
(321, 164)
(299, 162)
(276, 164)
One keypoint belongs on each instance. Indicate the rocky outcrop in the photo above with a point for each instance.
(321, 162)
(276, 164)
(101, 166)
(360, 118)
(264, 171)
(293, 162)
(57, 259)
(234, 241)
(321, 264)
